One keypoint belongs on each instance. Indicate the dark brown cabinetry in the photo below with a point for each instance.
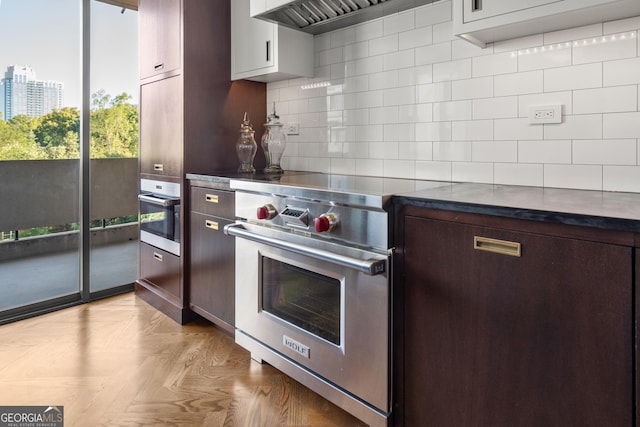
(190, 113)
(161, 127)
(159, 24)
(212, 266)
(492, 339)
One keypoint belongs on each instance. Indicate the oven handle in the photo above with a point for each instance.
(158, 201)
(371, 266)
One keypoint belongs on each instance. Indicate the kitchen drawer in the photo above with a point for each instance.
(160, 268)
(213, 202)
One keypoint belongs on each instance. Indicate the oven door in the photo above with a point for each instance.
(160, 221)
(322, 305)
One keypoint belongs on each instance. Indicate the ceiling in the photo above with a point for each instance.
(128, 4)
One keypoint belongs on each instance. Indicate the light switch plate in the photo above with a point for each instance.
(541, 114)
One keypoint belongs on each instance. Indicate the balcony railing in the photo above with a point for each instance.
(45, 193)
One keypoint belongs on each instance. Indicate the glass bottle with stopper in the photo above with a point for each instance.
(273, 142)
(246, 146)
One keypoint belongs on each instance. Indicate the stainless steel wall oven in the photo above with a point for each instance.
(160, 214)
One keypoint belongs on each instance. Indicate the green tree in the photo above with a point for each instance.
(114, 126)
(17, 139)
(58, 133)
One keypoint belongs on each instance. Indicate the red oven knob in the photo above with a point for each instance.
(326, 222)
(267, 211)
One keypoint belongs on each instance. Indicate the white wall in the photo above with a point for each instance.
(409, 100)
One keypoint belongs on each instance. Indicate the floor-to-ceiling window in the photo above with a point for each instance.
(114, 147)
(67, 164)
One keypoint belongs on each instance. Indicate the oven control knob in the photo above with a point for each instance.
(267, 211)
(326, 222)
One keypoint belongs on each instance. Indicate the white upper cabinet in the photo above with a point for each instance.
(265, 52)
(486, 21)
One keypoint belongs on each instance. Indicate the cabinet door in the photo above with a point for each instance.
(481, 9)
(161, 127)
(493, 340)
(160, 36)
(162, 269)
(252, 41)
(212, 270)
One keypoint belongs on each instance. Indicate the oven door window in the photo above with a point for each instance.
(306, 299)
(160, 220)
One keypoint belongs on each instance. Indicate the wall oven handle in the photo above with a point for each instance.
(371, 266)
(158, 201)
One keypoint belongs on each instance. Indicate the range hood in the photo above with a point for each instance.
(321, 16)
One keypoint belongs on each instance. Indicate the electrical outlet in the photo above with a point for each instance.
(540, 114)
(293, 129)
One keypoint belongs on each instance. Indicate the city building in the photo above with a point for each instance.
(23, 93)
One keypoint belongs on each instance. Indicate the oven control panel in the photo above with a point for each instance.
(355, 224)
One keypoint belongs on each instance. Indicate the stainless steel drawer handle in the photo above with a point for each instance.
(370, 266)
(157, 256)
(211, 224)
(158, 167)
(211, 198)
(503, 247)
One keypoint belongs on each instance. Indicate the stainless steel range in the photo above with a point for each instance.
(313, 288)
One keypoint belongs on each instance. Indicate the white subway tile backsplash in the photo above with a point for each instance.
(398, 60)
(621, 125)
(433, 13)
(604, 152)
(440, 52)
(472, 130)
(604, 48)
(622, 72)
(415, 150)
(399, 168)
(544, 151)
(436, 131)
(573, 34)
(472, 88)
(584, 177)
(587, 126)
(415, 38)
(399, 22)
(454, 70)
(452, 151)
(606, 100)
(399, 132)
(518, 129)
(436, 171)
(405, 98)
(443, 32)
(621, 178)
(383, 45)
(538, 58)
(452, 111)
(399, 96)
(472, 172)
(356, 51)
(495, 108)
(574, 77)
(494, 151)
(435, 92)
(629, 24)
(519, 174)
(498, 63)
(518, 83)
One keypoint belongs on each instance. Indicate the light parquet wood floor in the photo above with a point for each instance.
(119, 362)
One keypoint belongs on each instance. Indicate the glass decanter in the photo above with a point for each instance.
(246, 146)
(273, 142)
